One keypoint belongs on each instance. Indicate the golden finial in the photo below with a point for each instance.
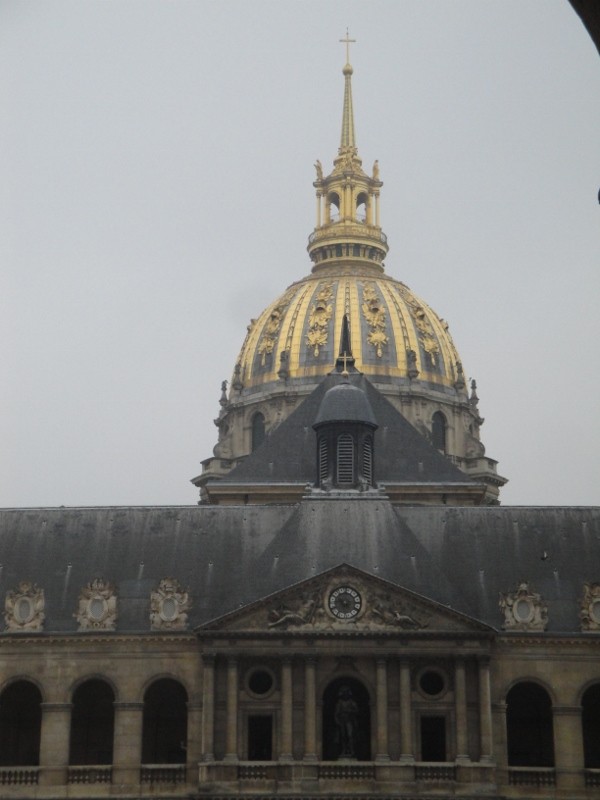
(348, 41)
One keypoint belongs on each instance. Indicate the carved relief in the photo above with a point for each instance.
(269, 337)
(97, 606)
(374, 314)
(590, 607)
(523, 610)
(24, 608)
(318, 320)
(169, 605)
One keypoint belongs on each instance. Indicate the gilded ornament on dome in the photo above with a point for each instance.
(374, 314)
(318, 320)
(425, 332)
(269, 336)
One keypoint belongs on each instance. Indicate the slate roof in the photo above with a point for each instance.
(401, 453)
(229, 556)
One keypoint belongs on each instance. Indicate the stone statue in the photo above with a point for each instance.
(376, 170)
(346, 719)
(319, 168)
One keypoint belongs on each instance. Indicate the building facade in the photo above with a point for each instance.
(347, 613)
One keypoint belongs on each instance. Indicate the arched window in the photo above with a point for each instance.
(438, 431)
(529, 726)
(258, 430)
(367, 459)
(345, 459)
(164, 734)
(361, 207)
(346, 721)
(334, 207)
(20, 724)
(92, 724)
(590, 721)
(323, 460)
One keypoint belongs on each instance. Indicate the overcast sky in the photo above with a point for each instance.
(156, 168)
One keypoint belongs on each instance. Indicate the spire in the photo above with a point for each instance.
(348, 138)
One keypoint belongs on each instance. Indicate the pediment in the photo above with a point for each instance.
(345, 600)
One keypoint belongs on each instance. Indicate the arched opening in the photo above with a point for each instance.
(346, 721)
(590, 721)
(164, 734)
(92, 724)
(361, 207)
(333, 207)
(258, 430)
(20, 724)
(529, 733)
(345, 459)
(438, 431)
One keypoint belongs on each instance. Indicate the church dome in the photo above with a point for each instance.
(394, 335)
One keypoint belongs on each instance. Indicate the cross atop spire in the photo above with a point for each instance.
(348, 41)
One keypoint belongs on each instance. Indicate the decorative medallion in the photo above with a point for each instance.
(374, 314)
(590, 607)
(344, 602)
(169, 605)
(318, 320)
(523, 610)
(97, 606)
(24, 608)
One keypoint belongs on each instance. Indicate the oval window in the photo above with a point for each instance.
(97, 608)
(169, 609)
(23, 610)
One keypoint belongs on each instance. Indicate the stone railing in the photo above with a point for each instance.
(18, 776)
(531, 776)
(154, 774)
(353, 772)
(89, 775)
(435, 772)
(592, 778)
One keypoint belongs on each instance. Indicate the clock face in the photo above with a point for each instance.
(345, 602)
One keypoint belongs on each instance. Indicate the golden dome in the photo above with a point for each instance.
(393, 333)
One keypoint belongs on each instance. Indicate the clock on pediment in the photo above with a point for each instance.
(344, 602)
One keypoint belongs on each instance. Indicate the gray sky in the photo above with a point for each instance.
(156, 168)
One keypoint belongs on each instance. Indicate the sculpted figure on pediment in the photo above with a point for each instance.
(24, 608)
(589, 613)
(523, 609)
(97, 609)
(169, 605)
(386, 611)
(304, 613)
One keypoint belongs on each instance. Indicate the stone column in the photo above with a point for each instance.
(310, 710)
(485, 711)
(208, 707)
(406, 739)
(370, 202)
(318, 210)
(194, 738)
(128, 743)
(460, 697)
(285, 752)
(377, 210)
(231, 749)
(54, 743)
(382, 711)
(568, 748)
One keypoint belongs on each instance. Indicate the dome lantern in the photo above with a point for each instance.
(347, 227)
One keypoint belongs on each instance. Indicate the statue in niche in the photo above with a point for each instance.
(346, 720)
